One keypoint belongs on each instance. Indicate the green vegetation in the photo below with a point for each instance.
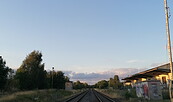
(127, 96)
(130, 94)
(79, 85)
(165, 93)
(112, 83)
(115, 83)
(3, 74)
(103, 84)
(37, 96)
(58, 79)
(31, 74)
(114, 93)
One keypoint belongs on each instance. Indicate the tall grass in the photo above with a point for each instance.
(130, 96)
(114, 93)
(37, 96)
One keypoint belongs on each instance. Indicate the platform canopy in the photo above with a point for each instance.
(163, 69)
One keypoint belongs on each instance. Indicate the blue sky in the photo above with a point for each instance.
(84, 36)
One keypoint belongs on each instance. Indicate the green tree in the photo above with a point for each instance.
(31, 74)
(67, 79)
(11, 84)
(116, 79)
(102, 84)
(111, 83)
(3, 73)
(86, 85)
(58, 79)
(79, 85)
(115, 83)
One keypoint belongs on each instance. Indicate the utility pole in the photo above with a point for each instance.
(52, 76)
(169, 48)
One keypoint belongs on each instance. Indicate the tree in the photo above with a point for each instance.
(67, 79)
(31, 74)
(11, 84)
(58, 79)
(115, 83)
(3, 73)
(116, 79)
(86, 85)
(79, 85)
(102, 84)
(111, 83)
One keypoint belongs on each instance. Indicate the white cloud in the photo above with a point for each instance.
(92, 78)
(134, 61)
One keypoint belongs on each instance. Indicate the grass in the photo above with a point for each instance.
(114, 93)
(125, 96)
(38, 96)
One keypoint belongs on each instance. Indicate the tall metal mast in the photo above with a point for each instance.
(169, 47)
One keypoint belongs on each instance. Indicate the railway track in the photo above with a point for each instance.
(78, 97)
(90, 96)
(104, 98)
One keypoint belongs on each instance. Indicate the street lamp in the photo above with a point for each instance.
(52, 76)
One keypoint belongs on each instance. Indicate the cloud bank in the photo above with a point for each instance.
(94, 77)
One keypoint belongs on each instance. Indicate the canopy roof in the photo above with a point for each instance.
(163, 69)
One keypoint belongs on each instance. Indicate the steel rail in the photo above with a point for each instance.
(79, 96)
(97, 96)
(82, 96)
(103, 95)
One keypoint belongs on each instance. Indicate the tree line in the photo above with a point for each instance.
(113, 83)
(30, 75)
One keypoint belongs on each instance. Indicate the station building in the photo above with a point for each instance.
(160, 73)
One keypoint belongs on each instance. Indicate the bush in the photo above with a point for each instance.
(127, 95)
(165, 93)
(130, 94)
